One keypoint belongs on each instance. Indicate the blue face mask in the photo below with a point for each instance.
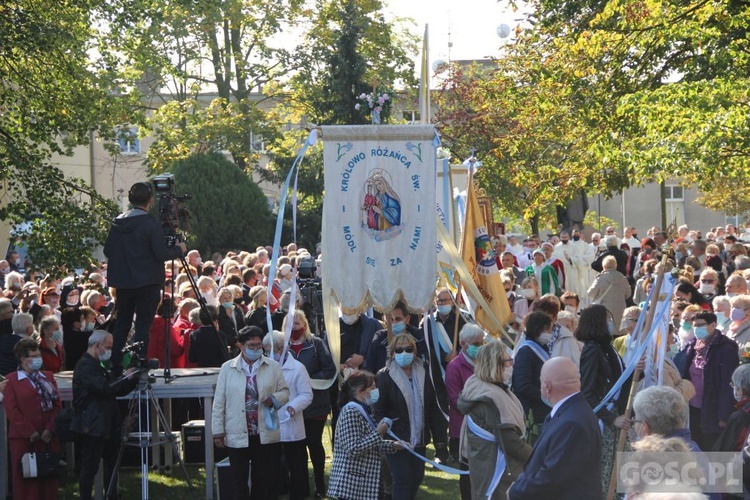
(36, 364)
(472, 351)
(721, 318)
(253, 354)
(701, 332)
(228, 305)
(444, 310)
(398, 327)
(404, 359)
(374, 396)
(611, 327)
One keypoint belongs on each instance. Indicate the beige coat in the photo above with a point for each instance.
(610, 289)
(228, 414)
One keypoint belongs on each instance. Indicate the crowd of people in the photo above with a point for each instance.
(437, 379)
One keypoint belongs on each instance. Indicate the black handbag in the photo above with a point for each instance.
(40, 464)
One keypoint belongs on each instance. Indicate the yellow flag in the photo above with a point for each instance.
(479, 257)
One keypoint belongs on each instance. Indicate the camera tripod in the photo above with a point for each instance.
(145, 393)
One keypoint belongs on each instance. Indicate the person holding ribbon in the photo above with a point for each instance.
(407, 398)
(529, 358)
(358, 443)
(492, 434)
(31, 402)
(251, 387)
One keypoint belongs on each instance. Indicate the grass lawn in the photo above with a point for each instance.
(436, 484)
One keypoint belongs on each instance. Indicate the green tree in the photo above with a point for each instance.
(229, 211)
(54, 94)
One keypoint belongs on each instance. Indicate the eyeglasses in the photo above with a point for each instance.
(399, 350)
(443, 301)
(634, 421)
(708, 281)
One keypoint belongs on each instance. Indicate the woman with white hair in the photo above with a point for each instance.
(457, 373)
(663, 411)
(722, 309)
(733, 436)
(739, 328)
(256, 311)
(290, 415)
(494, 422)
(610, 289)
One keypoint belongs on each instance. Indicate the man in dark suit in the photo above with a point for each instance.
(612, 249)
(566, 460)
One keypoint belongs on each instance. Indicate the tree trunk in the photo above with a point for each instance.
(534, 221)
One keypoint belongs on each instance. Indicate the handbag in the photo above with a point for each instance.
(40, 465)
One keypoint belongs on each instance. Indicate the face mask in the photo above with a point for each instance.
(570, 309)
(737, 314)
(732, 294)
(297, 333)
(701, 332)
(444, 310)
(87, 327)
(105, 355)
(707, 288)
(673, 350)
(36, 364)
(527, 293)
(57, 336)
(610, 327)
(721, 318)
(576, 238)
(398, 327)
(253, 354)
(71, 302)
(472, 351)
(507, 375)
(350, 319)
(404, 359)
(686, 326)
(738, 394)
(228, 305)
(545, 338)
(564, 242)
(546, 401)
(374, 396)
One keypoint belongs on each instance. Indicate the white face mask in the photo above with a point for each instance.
(507, 375)
(349, 319)
(545, 338)
(527, 293)
(707, 288)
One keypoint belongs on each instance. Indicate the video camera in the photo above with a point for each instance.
(173, 215)
(138, 361)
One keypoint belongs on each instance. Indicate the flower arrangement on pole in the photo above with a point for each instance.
(375, 103)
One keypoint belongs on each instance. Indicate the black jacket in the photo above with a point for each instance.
(8, 361)
(228, 326)
(207, 349)
(600, 369)
(136, 251)
(96, 412)
(392, 404)
(378, 354)
(320, 366)
(527, 387)
(620, 256)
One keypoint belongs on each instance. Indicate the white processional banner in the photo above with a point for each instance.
(379, 224)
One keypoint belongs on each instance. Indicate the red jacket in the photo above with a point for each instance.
(156, 344)
(184, 327)
(53, 360)
(23, 408)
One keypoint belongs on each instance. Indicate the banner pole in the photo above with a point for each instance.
(458, 315)
(637, 375)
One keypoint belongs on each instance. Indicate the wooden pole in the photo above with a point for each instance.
(637, 374)
(389, 326)
(458, 315)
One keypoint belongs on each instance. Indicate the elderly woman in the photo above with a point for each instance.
(739, 314)
(457, 373)
(663, 411)
(314, 354)
(50, 334)
(627, 325)
(723, 310)
(355, 473)
(494, 422)
(256, 311)
(407, 398)
(529, 358)
(610, 289)
(32, 403)
(710, 359)
(290, 415)
(735, 433)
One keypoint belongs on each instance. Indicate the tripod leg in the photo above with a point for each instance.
(126, 426)
(165, 425)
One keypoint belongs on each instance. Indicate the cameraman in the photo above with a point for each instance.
(96, 412)
(136, 250)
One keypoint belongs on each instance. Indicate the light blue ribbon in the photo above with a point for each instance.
(311, 139)
(662, 309)
(500, 462)
(538, 350)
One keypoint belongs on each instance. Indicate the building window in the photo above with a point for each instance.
(129, 142)
(411, 116)
(675, 197)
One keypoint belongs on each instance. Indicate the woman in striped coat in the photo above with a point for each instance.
(358, 444)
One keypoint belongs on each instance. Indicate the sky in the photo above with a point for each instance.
(470, 25)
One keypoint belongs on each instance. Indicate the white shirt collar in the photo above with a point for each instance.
(249, 370)
(559, 403)
(22, 375)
